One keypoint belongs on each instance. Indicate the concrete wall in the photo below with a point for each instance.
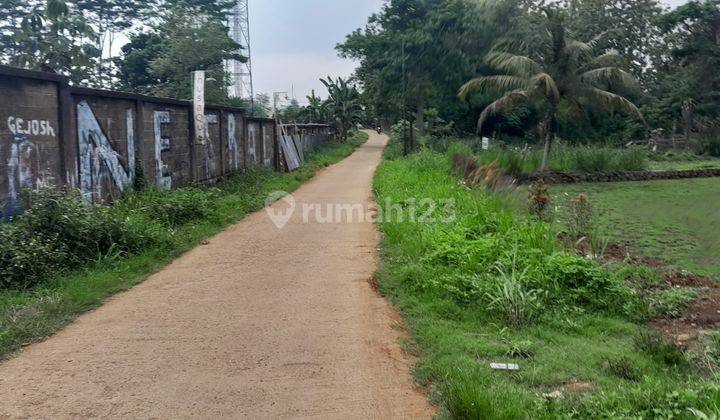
(97, 141)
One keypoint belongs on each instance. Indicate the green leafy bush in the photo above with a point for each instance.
(515, 301)
(713, 346)
(523, 349)
(640, 276)
(648, 399)
(60, 218)
(633, 159)
(57, 232)
(661, 350)
(710, 147)
(26, 259)
(624, 368)
(671, 302)
(581, 282)
(600, 159)
(172, 208)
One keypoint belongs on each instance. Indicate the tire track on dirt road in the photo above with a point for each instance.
(260, 323)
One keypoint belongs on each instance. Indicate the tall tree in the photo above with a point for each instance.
(627, 26)
(414, 54)
(110, 18)
(133, 66)
(46, 35)
(160, 61)
(216, 9)
(691, 60)
(560, 77)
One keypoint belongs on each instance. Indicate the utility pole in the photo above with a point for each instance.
(241, 73)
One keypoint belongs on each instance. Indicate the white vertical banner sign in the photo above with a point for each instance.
(199, 105)
(485, 143)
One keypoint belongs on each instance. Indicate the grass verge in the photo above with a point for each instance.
(489, 286)
(33, 314)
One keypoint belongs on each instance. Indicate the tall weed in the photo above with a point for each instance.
(512, 297)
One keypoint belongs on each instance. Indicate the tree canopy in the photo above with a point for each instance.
(415, 54)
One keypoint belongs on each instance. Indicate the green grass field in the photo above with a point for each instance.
(685, 165)
(33, 314)
(492, 286)
(677, 220)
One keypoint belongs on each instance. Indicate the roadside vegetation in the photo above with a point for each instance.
(518, 158)
(523, 160)
(494, 286)
(62, 258)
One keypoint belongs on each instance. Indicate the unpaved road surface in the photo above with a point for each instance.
(260, 323)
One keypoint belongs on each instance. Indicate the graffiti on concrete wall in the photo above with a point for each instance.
(163, 179)
(252, 142)
(268, 145)
(22, 168)
(23, 165)
(233, 147)
(55, 134)
(99, 162)
(208, 161)
(31, 127)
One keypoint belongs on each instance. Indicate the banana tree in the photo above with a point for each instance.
(343, 106)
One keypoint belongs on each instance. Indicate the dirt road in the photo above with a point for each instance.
(260, 323)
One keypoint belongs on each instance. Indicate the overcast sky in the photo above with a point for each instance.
(293, 41)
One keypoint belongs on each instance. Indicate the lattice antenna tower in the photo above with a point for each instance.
(241, 73)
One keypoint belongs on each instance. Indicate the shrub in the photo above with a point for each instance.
(633, 159)
(672, 302)
(604, 159)
(517, 162)
(512, 298)
(640, 276)
(580, 215)
(60, 218)
(710, 147)
(524, 349)
(597, 244)
(26, 259)
(661, 350)
(650, 399)
(172, 208)
(582, 282)
(623, 368)
(539, 200)
(713, 346)
(590, 159)
(57, 232)
(131, 233)
(456, 248)
(513, 162)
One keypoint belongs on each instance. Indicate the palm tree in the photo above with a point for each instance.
(343, 105)
(560, 77)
